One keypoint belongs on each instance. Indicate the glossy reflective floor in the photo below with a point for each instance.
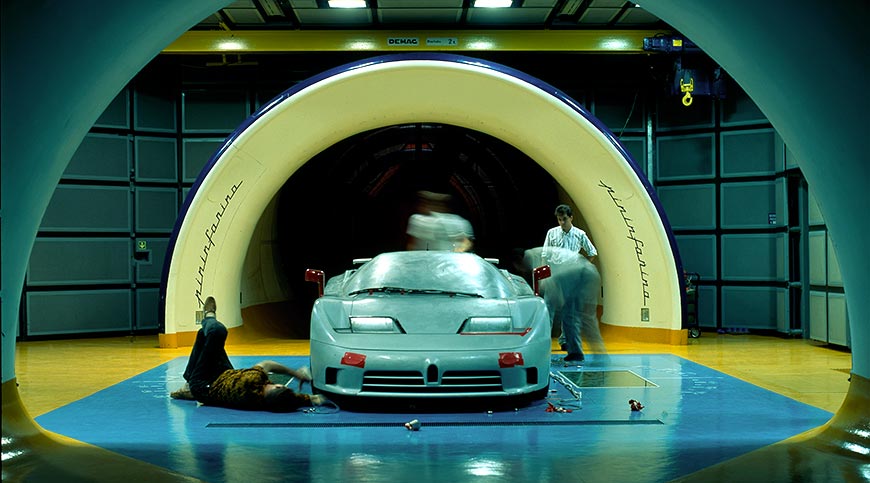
(695, 416)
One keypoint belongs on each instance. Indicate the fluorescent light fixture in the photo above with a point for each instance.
(481, 45)
(347, 3)
(614, 44)
(492, 3)
(230, 45)
(361, 45)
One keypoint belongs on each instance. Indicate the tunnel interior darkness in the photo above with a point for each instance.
(364, 189)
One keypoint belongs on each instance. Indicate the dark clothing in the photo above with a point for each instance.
(208, 358)
(214, 382)
(239, 389)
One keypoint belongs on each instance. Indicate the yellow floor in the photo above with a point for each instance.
(52, 374)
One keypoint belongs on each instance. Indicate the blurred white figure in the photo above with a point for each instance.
(571, 294)
(435, 228)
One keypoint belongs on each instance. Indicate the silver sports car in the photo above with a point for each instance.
(429, 324)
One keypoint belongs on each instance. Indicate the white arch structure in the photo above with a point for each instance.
(639, 264)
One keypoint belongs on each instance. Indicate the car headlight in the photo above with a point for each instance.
(375, 325)
(486, 325)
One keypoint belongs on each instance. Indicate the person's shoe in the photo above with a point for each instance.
(183, 393)
(575, 357)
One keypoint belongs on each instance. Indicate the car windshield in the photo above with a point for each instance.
(458, 274)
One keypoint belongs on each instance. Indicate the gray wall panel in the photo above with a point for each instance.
(818, 316)
(636, 147)
(154, 110)
(213, 111)
(748, 153)
(757, 204)
(196, 153)
(818, 257)
(156, 159)
(698, 253)
(689, 207)
(101, 157)
(68, 261)
(117, 114)
(738, 108)
(156, 209)
(74, 312)
(88, 208)
(708, 304)
(838, 323)
(685, 157)
(753, 307)
(754, 257)
(147, 308)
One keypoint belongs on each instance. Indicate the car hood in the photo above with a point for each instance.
(425, 314)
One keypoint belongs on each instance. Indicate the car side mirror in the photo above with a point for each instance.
(539, 274)
(318, 277)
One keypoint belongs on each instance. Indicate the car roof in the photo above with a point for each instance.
(431, 270)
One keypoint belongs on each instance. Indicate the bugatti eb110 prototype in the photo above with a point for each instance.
(430, 325)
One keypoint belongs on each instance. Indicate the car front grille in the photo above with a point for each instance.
(414, 382)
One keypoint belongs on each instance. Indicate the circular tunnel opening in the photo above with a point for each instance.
(353, 200)
(310, 189)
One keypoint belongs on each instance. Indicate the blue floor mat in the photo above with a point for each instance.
(694, 417)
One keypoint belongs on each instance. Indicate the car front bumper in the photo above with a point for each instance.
(430, 374)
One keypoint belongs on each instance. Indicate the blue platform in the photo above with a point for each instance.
(694, 417)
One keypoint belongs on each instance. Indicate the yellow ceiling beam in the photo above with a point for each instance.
(384, 41)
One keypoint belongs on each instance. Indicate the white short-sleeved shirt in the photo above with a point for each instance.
(572, 241)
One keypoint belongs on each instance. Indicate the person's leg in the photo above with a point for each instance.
(195, 358)
(590, 332)
(571, 329)
(589, 312)
(551, 290)
(208, 358)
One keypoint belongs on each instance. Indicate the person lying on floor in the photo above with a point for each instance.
(212, 380)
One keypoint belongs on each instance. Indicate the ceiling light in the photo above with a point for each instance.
(492, 3)
(347, 3)
(230, 45)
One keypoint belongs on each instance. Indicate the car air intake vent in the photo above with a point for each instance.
(413, 382)
(392, 381)
(473, 380)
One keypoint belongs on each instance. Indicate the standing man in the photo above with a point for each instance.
(566, 236)
(563, 249)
